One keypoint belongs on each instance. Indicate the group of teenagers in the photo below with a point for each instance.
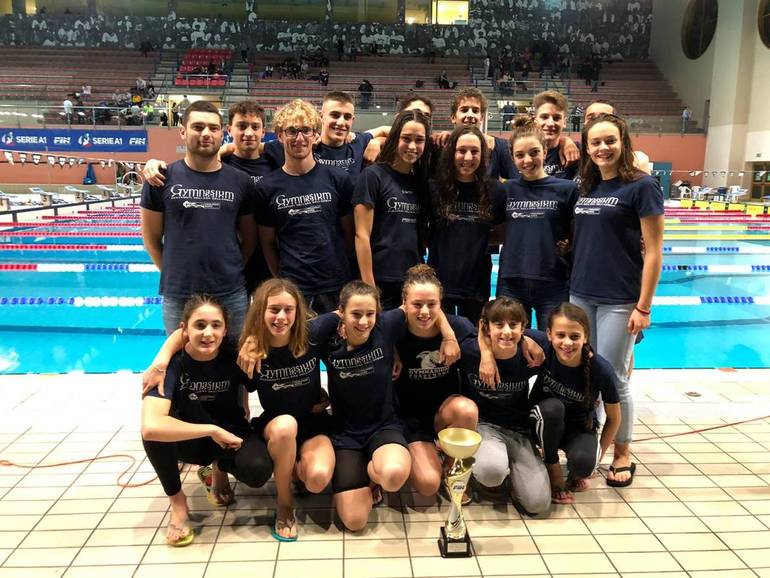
(369, 253)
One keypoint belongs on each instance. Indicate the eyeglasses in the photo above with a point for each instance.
(292, 132)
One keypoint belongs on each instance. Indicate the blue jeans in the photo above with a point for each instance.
(542, 296)
(610, 339)
(236, 303)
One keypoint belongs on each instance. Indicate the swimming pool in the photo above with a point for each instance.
(79, 293)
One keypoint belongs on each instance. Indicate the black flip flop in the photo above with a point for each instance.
(628, 482)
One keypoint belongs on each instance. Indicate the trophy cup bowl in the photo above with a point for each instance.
(459, 444)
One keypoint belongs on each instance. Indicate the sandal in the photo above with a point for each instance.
(184, 538)
(284, 524)
(577, 484)
(218, 498)
(376, 495)
(561, 496)
(623, 484)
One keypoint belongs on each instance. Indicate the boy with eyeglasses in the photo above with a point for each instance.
(304, 212)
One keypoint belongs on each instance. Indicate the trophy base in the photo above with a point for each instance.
(450, 548)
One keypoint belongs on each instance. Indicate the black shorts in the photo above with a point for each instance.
(308, 426)
(350, 468)
(418, 428)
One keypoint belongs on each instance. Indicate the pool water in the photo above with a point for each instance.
(74, 296)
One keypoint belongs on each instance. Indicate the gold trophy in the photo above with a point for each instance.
(460, 444)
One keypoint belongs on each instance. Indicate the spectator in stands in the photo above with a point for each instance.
(323, 77)
(85, 91)
(366, 89)
(182, 105)
(68, 109)
(508, 112)
(141, 84)
(576, 115)
(340, 46)
(686, 116)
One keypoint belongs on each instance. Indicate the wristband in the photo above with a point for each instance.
(642, 311)
(158, 369)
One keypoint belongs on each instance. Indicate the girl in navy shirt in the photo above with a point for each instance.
(613, 277)
(564, 397)
(294, 422)
(387, 203)
(428, 390)
(196, 418)
(506, 434)
(463, 206)
(538, 216)
(368, 439)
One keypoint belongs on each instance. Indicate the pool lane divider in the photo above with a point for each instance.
(75, 234)
(80, 267)
(142, 301)
(710, 249)
(61, 247)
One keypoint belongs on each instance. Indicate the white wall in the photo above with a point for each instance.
(691, 79)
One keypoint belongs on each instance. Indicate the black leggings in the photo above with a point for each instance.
(580, 444)
(469, 308)
(251, 464)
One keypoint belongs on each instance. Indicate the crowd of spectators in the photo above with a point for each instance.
(575, 28)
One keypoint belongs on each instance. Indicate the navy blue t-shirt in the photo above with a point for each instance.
(568, 384)
(607, 252)
(554, 167)
(256, 269)
(305, 212)
(287, 384)
(457, 248)
(360, 380)
(501, 162)
(206, 391)
(201, 250)
(424, 382)
(348, 157)
(255, 168)
(537, 215)
(394, 240)
(507, 403)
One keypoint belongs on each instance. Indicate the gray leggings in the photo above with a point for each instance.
(610, 339)
(504, 452)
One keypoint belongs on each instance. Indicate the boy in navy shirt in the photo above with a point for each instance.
(199, 227)
(305, 220)
(338, 146)
(551, 117)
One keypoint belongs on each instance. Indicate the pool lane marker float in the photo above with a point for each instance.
(114, 301)
(61, 247)
(709, 249)
(80, 267)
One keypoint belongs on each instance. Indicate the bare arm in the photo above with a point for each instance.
(268, 241)
(488, 371)
(568, 151)
(153, 376)
(364, 220)
(151, 172)
(380, 131)
(610, 426)
(247, 230)
(652, 233)
(642, 162)
(450, 349)
(152, 235)
(158, 426)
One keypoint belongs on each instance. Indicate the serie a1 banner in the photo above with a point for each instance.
(74, 140)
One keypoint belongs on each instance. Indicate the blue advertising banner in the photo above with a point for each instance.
(74, 140)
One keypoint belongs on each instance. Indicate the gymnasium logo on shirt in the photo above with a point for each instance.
(343, 164)
(530, 209)
(350, 367)
(395, 205)
(200, 198)
(198, 389)
(504, 389)
(560, 390)
(470, 212)
(593, 205)
(430, 366)
(288, 377)
(303, 204)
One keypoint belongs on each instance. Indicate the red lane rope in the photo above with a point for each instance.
(69, 234)
(104, 224)
(43, 247)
